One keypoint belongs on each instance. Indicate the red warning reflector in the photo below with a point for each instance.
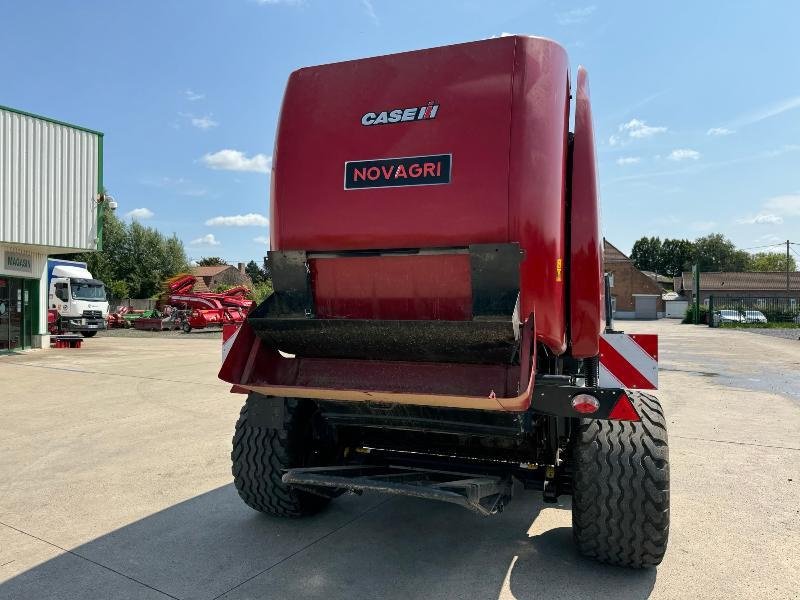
(585, 404)
(623, 410)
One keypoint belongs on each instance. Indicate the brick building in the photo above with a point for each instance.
(209, 278)
(634, 295)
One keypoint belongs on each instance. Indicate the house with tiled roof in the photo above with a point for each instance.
(210, 278)
(752, 284)
(634, 295)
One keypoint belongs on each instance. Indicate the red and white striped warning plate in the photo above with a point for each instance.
(629, 361)
(229, 332)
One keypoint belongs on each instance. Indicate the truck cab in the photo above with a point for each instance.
(78, 298)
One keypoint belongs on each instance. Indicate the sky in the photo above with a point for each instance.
(696, 105)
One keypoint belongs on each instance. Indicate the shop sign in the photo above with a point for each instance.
(14, 261)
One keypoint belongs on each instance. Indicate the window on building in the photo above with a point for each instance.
(610, 280)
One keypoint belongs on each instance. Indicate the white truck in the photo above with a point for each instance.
(78, 299)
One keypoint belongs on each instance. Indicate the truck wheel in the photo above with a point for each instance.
(261, 455)
(88, 334)
(186, 327)
(620, 503)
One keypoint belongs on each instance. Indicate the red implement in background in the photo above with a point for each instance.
(204, 309)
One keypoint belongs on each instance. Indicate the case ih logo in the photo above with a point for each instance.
(398, 115)
(396, 172)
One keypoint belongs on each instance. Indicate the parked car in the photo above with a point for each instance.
(754, 316)
(727, 316)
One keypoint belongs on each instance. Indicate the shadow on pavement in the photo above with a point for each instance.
(361, 547)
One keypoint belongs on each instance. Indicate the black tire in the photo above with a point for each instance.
(620, 503)
(261, 455)
(186, 327)
(88, 334)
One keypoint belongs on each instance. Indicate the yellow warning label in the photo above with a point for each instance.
(558, 269)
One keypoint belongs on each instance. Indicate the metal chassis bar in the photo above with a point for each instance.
(463, 489)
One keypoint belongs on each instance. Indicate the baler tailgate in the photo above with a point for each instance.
(483, 494)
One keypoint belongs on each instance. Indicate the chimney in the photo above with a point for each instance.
(241, 268)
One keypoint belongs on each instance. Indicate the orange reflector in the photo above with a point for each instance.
(623, 410)
(585, 404)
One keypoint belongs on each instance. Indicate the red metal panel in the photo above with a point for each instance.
(435, 287)
(587, 305)
(540, 116)
(320, 129)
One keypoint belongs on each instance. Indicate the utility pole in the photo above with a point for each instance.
(787, 271)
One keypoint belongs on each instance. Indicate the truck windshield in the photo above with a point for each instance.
(88, 291)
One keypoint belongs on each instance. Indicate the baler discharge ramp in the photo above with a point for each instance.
(315, 321)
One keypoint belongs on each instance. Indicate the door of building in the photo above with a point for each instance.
(646, 306)
(4, 313)
(16, 312)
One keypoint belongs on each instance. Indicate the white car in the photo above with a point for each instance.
(727, 316)
(754, 316)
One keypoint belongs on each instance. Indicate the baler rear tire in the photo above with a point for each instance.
(620, 503)
(260, 456)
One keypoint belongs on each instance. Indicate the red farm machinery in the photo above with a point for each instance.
(438, 326)
(181, 307)
(198, 310)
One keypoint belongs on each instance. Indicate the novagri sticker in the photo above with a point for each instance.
(396, 172)
(629, 361)
(400, 115)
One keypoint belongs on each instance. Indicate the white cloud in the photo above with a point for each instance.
(636, 128)
(576, 15)
(761, 219)
(235, 160)
(140, 213)
(765, 112)
(788, 205)
(261, 239)
(683, 154)
(370, 10)
(192, 96)
(206, 240)
(716, 131)
(248, 220)
(628, 160)
(613, 140)
(204, 122)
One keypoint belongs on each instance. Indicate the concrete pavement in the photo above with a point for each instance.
(115, 483)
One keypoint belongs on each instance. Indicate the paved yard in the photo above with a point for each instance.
(115, 483)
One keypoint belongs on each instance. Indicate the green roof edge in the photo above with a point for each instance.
(49, 120)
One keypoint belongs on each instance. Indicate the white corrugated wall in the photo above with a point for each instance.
(48, 182)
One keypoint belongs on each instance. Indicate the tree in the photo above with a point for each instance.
(676, 256)
(646, 254)
(135, 259)
(715, 252)
(771, 261)
(255, 273)
(212, 261)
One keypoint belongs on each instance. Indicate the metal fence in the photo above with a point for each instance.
(752, 311)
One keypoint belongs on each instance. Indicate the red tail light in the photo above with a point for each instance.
(585, 404)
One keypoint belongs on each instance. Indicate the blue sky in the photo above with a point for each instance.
(697, 105)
